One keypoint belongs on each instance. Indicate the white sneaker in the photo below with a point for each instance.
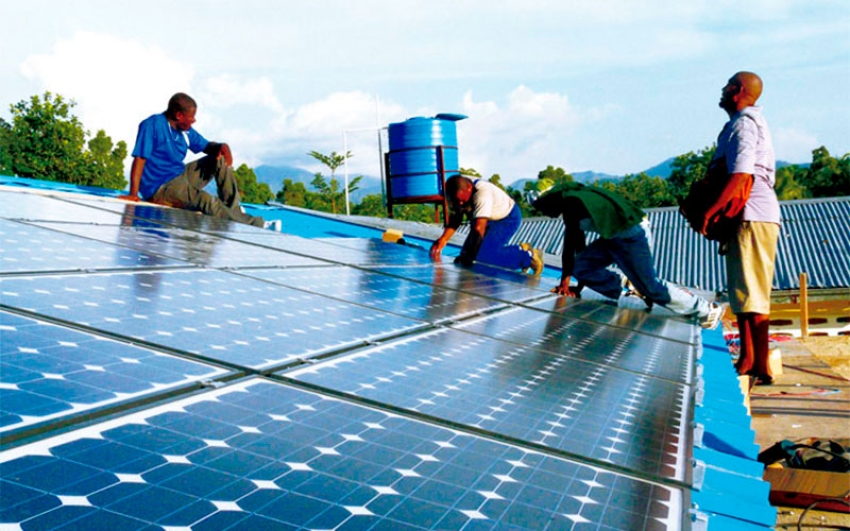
(712, 319)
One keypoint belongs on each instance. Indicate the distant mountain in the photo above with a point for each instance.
(274, 175)
(662, 170)
(588, 177)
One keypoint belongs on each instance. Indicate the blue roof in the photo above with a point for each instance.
(160, 369)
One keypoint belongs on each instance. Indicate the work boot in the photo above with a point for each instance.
(537, 262)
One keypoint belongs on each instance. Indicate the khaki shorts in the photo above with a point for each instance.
(750, 264)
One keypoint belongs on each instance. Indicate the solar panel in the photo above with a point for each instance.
(594, 410)
(624, 348)
(661, 323)
(504, 285)
(378, 252)
(217, 315)
(27, 248)
(392, 294)
(303, 246)
(50, 373)
(41, 207)
(189, 220)
(262, 455)
(189, 246)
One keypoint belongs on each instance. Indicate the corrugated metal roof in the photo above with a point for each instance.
(815, 239)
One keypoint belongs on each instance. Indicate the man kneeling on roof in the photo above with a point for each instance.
(494, 218)
(622, 241)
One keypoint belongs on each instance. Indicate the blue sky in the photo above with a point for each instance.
(613, 86)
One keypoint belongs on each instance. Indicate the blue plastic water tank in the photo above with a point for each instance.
(413, 165)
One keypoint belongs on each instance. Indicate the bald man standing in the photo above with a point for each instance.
(746, 146)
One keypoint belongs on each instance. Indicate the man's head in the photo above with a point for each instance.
(459, 189)
(741, 91)
(181, 111)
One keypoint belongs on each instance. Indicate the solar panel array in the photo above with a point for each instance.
(166, 370)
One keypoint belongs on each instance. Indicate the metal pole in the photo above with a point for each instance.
(380, 150)
(345, 167)
(804, 306)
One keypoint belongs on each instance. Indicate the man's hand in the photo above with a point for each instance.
(134, 198)
(436, 250)
(439, 243)
(564, 288)
(225, 152)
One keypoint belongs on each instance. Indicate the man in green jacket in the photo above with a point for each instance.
(622, 241)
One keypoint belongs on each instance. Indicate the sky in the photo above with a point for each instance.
(612, 86)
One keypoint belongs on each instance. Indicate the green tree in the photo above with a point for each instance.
(641, 189)
(371, 205)
(470, 172)
(828, 176)
(106, 162)
(688, 168)
(330, 194)
(329, 190)
(496, 179)
(46, 141)
(250, 190)
(424, 213)
(293, 194)
(332, 161)
(552, 176)
(789, 183)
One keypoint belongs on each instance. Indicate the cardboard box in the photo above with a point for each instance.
(797, 487)
(775, 362)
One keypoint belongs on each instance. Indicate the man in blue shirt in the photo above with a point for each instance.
(159, 175)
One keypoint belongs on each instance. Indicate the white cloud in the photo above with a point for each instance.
(532, 130)
(115, 82)
(228, 90)
(794, 145)
(285, 136)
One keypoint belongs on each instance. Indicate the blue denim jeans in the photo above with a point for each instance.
(494, 248)
(629, 250)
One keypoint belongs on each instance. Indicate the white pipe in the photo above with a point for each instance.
(345, 166)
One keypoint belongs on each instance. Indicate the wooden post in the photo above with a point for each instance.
(804, 306)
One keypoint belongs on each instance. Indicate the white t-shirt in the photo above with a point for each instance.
(490, 202)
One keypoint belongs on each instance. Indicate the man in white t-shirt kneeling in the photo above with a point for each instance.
(494, 219)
